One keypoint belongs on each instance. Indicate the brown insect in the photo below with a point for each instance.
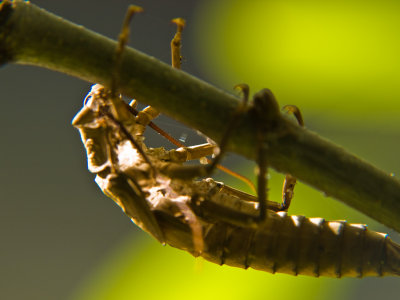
(206, 218)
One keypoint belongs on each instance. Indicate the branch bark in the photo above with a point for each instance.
(30, 35)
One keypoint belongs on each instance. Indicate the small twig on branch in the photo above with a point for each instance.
(30, 35)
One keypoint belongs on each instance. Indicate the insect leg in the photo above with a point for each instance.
(180, 171)
(176, 59)
(266, 111)
(184, 154)
(122, 41)
(235, 120)
(145, 116)
(199, 151)
(244, 88)
(262, 176)
(290, 181)
(125, 190)
(176, 43)
(149, 113)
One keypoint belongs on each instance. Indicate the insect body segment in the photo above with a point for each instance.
(298, 245)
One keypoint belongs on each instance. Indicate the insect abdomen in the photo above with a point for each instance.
(298, 245)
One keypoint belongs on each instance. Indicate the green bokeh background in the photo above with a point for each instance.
(335, 57)
(339, 62)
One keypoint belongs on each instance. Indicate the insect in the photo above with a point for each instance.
(205, 217)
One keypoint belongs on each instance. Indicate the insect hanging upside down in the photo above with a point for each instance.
(207, 218)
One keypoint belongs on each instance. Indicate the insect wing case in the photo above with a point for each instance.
(171, 209)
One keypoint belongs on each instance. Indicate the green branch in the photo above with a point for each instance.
(30, 35)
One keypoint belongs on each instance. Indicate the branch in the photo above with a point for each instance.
(30, 35)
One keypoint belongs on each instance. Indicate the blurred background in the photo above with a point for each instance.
(61, 238)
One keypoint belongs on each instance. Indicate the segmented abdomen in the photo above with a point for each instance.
(298, 245)
(284, 244)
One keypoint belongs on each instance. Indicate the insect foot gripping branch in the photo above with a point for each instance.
(210, 219)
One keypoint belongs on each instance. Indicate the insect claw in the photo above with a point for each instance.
(136, 8)
(180, 23)
(296, 112)
(244, 89)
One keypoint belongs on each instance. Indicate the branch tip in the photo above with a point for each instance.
(6, 11)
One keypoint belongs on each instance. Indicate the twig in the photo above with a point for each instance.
(30, 35)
